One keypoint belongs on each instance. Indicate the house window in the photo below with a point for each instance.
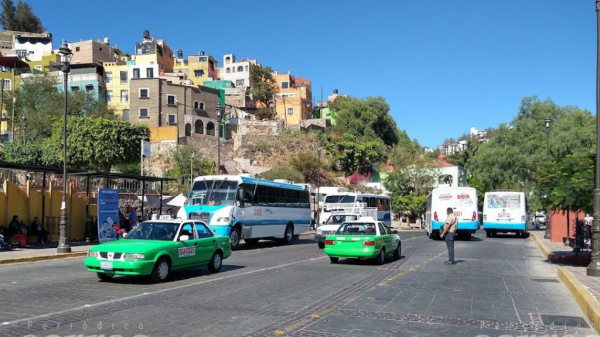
(198, 73)
(240, 68)
(246, 67)
(124, 96)
(170, 100)
(290, 111)
(89, 88)
(285, 85)
(21, 53)
(136, 73)
(6, 84)
(172, 119)
(199, 127)
(75, 88)
(38, 67)
(76, 48)
(144, 93)
(195, 105)
(228, 70)
(144, 113)
(126, 115)
(201, 106)
(188, 130)
(239, 83)
(149, 72)
(123, 75)
(108, 77)
(108, 96)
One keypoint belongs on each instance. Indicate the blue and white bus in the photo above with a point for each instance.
(352, 202)
(462, 200)
(505, 212)
(249, 208)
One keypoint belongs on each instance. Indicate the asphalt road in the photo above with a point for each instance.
(500, 287)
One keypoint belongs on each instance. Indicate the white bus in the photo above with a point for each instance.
(462, 200)
(505, 212)
(249, 208)
(353, 202)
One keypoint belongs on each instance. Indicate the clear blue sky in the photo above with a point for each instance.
(442, 65)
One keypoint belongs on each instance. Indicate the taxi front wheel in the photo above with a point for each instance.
(161, 270)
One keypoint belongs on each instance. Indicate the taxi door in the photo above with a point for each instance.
(207, 243)
(187, 251)
(386, 238)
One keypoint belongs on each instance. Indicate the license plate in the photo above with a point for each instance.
(106, 265)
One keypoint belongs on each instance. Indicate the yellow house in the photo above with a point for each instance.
(41, 66)
(11, 68)
(197, 68)
(293, 102)
(116, 77)
(154, 52)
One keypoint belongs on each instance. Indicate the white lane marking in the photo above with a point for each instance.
(123, 299)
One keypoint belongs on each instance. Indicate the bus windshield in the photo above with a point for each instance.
(340, 199)
(213, 193)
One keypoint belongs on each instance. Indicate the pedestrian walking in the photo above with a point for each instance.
(449, 232)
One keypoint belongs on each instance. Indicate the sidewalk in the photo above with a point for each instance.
(39, 253)
(571, 269)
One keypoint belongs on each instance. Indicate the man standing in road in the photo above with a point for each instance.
(449, 231)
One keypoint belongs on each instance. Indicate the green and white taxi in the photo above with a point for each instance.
(157, 247)
(363, 239)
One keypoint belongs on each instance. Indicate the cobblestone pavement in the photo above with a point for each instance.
(501, 287)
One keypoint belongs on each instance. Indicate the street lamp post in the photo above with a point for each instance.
(593, 268)
(547, 121)
(220, 117)
(63, 241)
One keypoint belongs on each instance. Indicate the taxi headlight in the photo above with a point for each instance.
(92, 253)
(133, 256)
(223, 219)
(319, 231)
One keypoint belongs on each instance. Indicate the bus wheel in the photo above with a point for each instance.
(288, 235)
(488, 234)
(234, 237)
(467, 236)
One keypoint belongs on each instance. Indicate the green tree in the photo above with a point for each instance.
(8, 17)
(516, 150)
(26, 154)
(308, 164)
(97, 143)
(368, 118)
(282, 172)
(26, 20)
(569, 183)
(38, 100)
(263, 88)
(186, 164)
(351, 155)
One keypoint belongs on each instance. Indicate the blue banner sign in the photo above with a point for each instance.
(108, 213)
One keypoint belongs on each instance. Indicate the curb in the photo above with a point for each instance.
(588, 304)
(542, 246)
(42, 258)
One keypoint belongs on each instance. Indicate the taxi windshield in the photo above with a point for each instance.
(153, 231)
(357, 228)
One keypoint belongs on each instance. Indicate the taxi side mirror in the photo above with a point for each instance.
(184, 238)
